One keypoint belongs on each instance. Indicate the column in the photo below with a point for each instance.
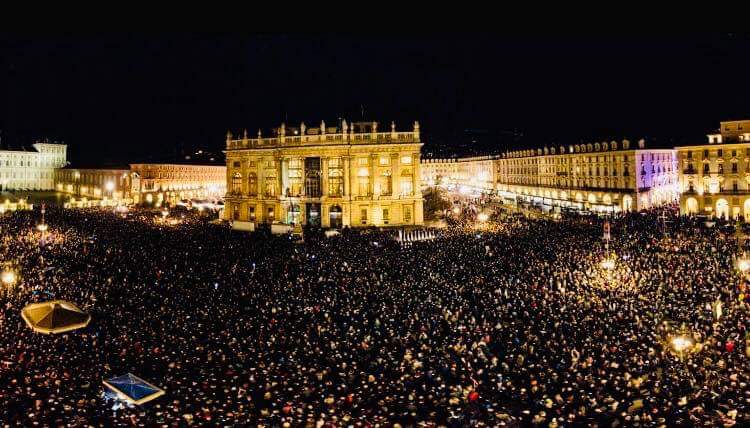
(347, 177)
(373, 161)
(415, 174)
(284, 175)
(324, 176)
(395, 176)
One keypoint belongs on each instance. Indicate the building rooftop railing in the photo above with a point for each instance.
(356, 134)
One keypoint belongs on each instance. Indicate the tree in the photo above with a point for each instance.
(435, 201)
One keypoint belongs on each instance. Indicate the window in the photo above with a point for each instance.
(721, 168)
(705, 153)
(363, 215)
(705, 168)
(235, 212)
(406, 160)
(734, 153)
(312, 184)
(363, 185)
(386, 216)
(406, 187)
(252, 184)
(236, 164)
(270, 186)
(384, 161)
(270, 216)
(721, 152)
(407, 214)
(237, 183)
(362, 161)
(251, 214)
(386, 184)
(734, 186)
(335, 177)
(734, 168)
(335, 185)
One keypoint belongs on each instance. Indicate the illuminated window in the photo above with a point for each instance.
(252, 184)
(406, 187)
(363, 185)
(386, 184)
(407, 214)
(362, 161)
(237, 183)
(386, 216)
(363, 215)
(406, 160)
(384, 160)
(270, 186)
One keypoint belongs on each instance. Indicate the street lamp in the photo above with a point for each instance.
(8, 277)
(482, 217)
(608, 264)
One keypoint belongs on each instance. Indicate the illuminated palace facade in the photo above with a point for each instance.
(157, 184)
(715, 177)
(345, 175)
(609, 176)
(31, 169)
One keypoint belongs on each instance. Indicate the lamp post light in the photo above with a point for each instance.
(608, 263)
(110, 187)
(482, 217)
(8, 277)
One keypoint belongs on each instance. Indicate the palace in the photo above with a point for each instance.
(345, 175)
(715, 177)
(31, 169)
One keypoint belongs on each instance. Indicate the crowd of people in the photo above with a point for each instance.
(516, 324)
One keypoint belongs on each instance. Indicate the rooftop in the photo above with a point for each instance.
(344, 133)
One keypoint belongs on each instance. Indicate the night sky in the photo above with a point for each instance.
(120, 98)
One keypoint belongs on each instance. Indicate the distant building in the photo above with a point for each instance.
(31, 169)
(157, 183)
(95, 183)
(345, 175)
(476, 172)
(608, 177)
(715, 177)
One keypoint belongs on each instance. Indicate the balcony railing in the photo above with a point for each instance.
(361, 138)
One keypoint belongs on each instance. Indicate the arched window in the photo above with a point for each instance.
(237, 183)
(252, 184)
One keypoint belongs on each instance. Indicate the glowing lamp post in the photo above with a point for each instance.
(8, 278)
(682, 344)
(42, 227)
(110, 187)
(608, 264)
(483, 217)
(743, 265)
